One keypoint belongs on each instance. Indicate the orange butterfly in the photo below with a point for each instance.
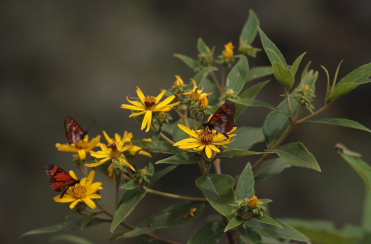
(74, 132)
(222, 120)
(59, 179)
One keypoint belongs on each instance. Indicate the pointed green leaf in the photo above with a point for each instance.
(160, 146)
(190, 62)
(250, 29)
(360, 73)
(182, 158)
(238, 76)
(341, 122)
(233, 223)
(355, 161)
(211, 233)
(342, 89)
(249, 235)
(286, 232)
(258, 72)
(269, 168)
(251, 93)
(129, 201)
(218, 191)
(202, 75)
(297, 154)
(170, 217)
(296, 64)
(324, 232)
(160, 173)
(245, 186)
(67, 225)
(201, 46)
(273, 53)
(268, 220)
(276, 123)
(130, 185)
(283, 75)
(247, 137)
(249, 102)
(235, 153)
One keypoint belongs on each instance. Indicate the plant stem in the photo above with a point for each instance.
(218, 170)
(300, 121)
(230, 233)
(117, 191)
(165, 194)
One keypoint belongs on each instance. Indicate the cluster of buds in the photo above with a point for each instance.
(250, 207)
(248, 50)
(305, 97)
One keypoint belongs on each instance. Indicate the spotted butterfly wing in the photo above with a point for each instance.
(74, 132)
(59, 179)
(222, 120)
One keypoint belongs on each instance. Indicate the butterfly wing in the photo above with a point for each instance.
(222, 120)
(59, 179)
(74, 132)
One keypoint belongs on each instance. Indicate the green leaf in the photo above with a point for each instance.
(235, 153)
(296, 64)
(283, 75)
(202, 75)
(250, 29)
(286, 232)
(249, 102)
(249, 235)
(269, 168)
(354, 160)
(245, 186)
(218, 191)
(341, 122)
(170, 217)
(360, 73)
(324, 232)
(258, 72)
(177, 133)
(67, 225)
(182, 158)
(342, 89)
(190, 62)
(251, 93)
(276, 123)
(160, 173)
(160, 146)
(366, 216)
(201, 46)
(210, 87)
(297, 154)
(129, 201)
(237, 77)
(211, 233)
(273, 53)
(87, 220)
(247, 137)
(268, 220)
(130, 185)
(233, 223)
(69, 238)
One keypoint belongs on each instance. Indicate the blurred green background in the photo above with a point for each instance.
(81, 59)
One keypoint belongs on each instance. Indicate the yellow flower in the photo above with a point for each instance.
(82, 147)
(148, 105)
(206, 139)
(203, 102)
(194, 95)
(228, 51)
(82, 192)
(179, 83)
(253, 202)
(114, 152)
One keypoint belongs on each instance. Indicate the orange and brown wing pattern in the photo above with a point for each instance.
(74, 131)
(59, 179)
(223, 119)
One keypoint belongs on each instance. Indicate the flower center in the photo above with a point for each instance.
(206, 136)
(83, 145)
(78, 191)
(150, 102)
(115, 153)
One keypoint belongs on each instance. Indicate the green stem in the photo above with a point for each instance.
(117, 191)
(216, 81)
(298, 122)
(170, 195)
(224, 78)
(287, 97)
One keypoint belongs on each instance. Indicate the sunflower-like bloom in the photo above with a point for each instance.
(206, 139)
(148, 105)
(228, 51)
(194, 95)
(82, 192)
(114, 152)
(82, 147)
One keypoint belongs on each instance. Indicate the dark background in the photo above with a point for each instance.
(81, 59)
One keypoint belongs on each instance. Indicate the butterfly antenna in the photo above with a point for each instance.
(92, 123)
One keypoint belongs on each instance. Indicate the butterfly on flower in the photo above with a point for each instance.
(59, 179)
(74, 132)
(222, 120)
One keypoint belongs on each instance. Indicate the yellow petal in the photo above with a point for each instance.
(108, 139)
(208, 151)
(90, 203)
(97, 163)
(147, 120)
(141, 95)
(75, 203)
(133, 107)
(82, 154)
(136, 114)
(73, 175)
(187, 130)
(66, 147)
(159, 97)
(64, 199)
(94, 187)
(214, 148)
